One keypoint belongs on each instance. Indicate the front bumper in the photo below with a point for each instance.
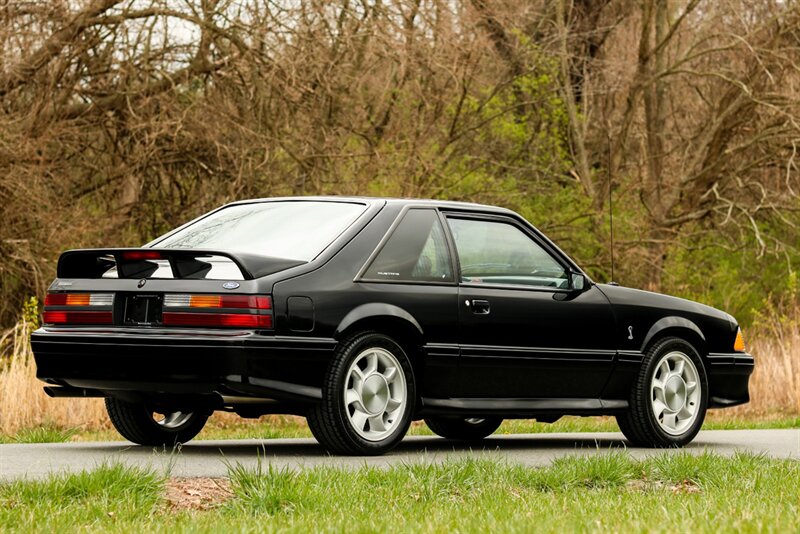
(165, 361)
(729, 378)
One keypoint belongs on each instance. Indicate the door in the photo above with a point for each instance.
(524, 331)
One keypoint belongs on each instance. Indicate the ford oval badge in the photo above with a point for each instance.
(230, 285)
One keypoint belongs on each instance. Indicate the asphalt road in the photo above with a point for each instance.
(210, 458)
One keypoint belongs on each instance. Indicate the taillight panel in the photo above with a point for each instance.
(78, 308)
(238, 311)
(192, 310)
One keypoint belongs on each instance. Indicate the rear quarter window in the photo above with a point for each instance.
(416, 251)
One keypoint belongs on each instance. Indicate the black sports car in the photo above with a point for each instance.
(363, 314)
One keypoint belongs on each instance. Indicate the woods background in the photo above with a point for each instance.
(122, 119)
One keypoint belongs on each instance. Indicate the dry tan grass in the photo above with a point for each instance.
(23, 403)
(774, 387)
(775, 384)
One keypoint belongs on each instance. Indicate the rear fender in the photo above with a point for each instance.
(377, 312)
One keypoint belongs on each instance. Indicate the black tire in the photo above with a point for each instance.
(330, 420)
(463, 428)
(135, 422)
(639, 424)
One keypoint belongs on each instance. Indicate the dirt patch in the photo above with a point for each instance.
(683, 487)
(197, 493)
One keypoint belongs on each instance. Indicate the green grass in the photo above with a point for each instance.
(611, 492)
(104, 496)
(295, 427)
(44, 434)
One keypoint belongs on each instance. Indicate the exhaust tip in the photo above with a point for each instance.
(67, 391)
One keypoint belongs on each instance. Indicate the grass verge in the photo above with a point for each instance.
(610, 492)
(226, 426)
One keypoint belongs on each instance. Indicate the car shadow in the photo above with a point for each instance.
(413, 446)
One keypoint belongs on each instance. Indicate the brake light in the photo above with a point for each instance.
(78, 308)
(242, 311)
(77, 317)
(241, 320)
(139, 255)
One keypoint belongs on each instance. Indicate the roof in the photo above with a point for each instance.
(448, 204)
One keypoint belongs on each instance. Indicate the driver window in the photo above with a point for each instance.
(494, 252)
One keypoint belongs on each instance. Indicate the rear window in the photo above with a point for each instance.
(291, 230)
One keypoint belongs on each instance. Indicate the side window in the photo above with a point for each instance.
(416, 251)
(494, 252)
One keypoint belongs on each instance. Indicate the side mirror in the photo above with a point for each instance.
(578, 282)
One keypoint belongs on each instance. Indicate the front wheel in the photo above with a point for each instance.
(138, 423)
(669, 399)
(367, 397)
(463, 428)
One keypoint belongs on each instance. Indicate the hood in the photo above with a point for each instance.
(620, 295)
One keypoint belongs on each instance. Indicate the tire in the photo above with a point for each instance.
(365, 411)
(463, 428)
(136, 423)
(669, 398)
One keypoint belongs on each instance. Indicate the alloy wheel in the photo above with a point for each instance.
(675, 393)
(172, 420)
(375, 393)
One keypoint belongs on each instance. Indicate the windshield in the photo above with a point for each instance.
(297, 230)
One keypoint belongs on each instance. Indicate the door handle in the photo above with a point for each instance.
(479, 307)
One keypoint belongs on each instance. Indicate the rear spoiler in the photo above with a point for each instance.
(185, 263)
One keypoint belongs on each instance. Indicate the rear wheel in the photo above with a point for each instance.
(463, 428)
(138, 423)
(367, 397)
(669, 399)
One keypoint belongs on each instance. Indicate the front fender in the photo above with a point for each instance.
(666, 323)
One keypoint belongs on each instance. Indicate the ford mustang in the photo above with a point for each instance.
(364, 314)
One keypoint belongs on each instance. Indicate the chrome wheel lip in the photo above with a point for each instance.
(172, 420)
(375, 394)
(675, 393)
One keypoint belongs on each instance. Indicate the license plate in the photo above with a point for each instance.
(143, 310)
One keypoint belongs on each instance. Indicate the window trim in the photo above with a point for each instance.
(526, 230)
(360, 277)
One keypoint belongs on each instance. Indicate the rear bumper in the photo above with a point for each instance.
(164, 361)
(729, 378)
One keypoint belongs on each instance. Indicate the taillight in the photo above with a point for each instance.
(240, 311)
(78, 308)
